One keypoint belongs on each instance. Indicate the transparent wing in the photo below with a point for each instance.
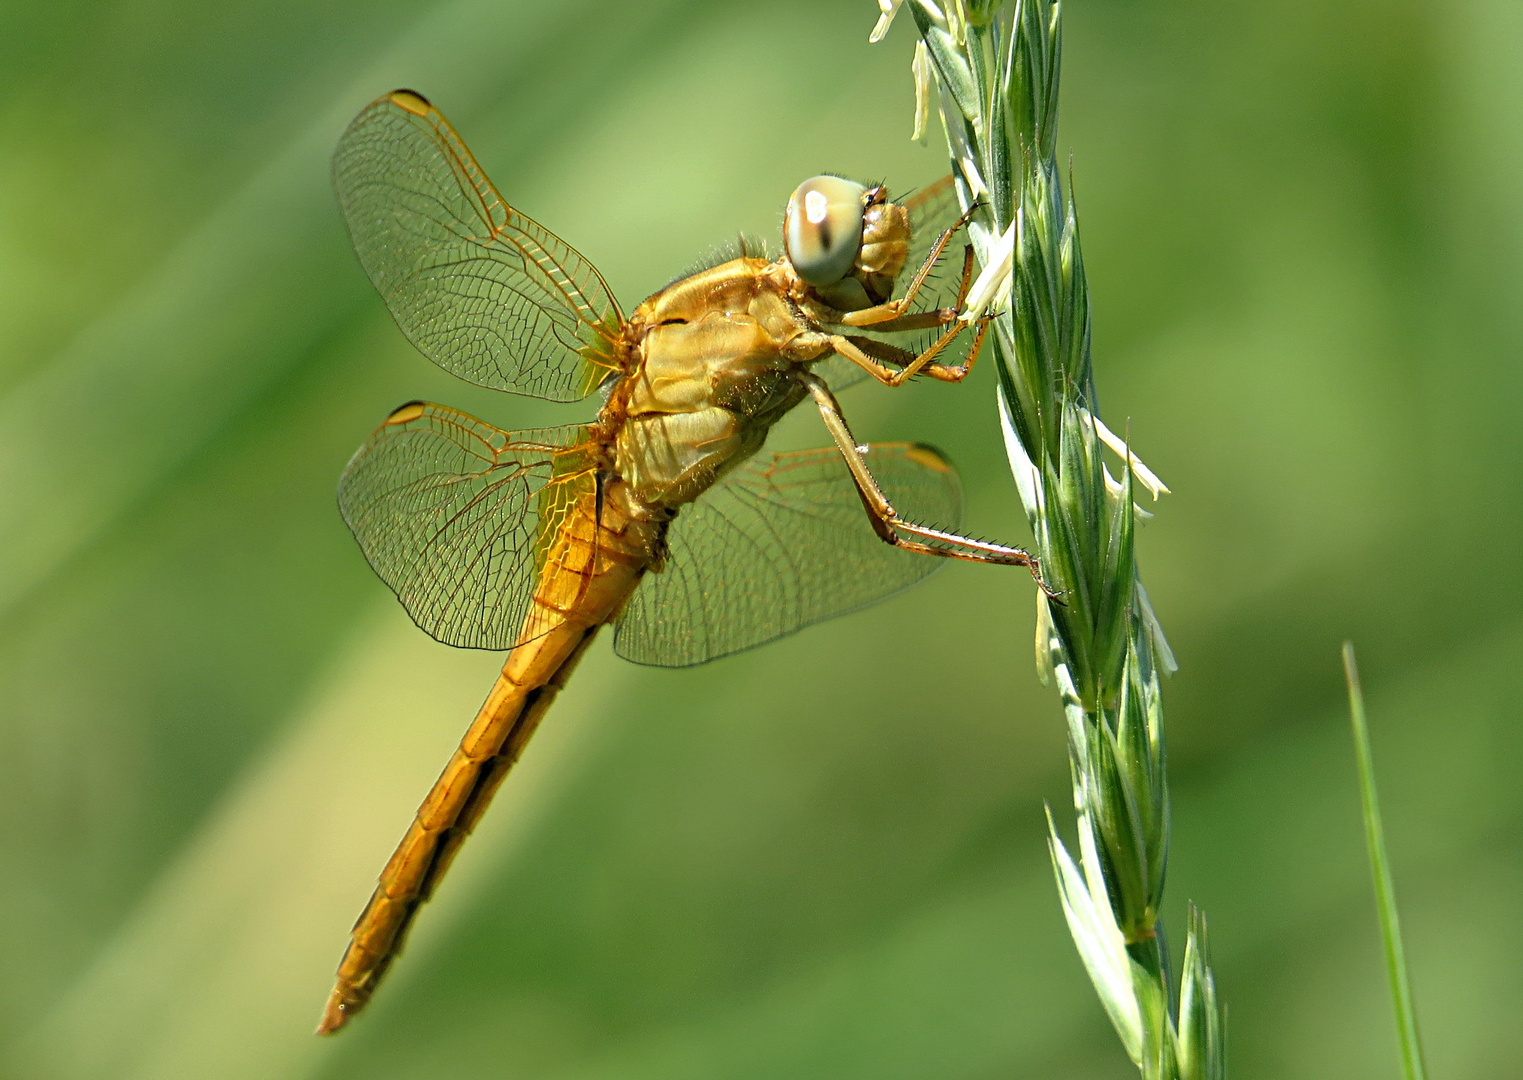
(454, 514)
(780, 544)
(933, 209)
(479, 288)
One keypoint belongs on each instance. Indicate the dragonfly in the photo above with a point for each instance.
(661, 517)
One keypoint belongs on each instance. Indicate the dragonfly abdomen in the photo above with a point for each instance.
(590, 569)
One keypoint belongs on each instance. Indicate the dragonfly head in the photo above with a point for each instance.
(847, 241)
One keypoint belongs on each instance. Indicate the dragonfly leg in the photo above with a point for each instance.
(870, 355)
(886, 522)
(883, 313)
(919, 320)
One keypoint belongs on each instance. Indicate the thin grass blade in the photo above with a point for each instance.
(1380, 870)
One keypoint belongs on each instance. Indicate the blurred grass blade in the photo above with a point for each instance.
(220, 967)
(244, 297)
(1380, 870)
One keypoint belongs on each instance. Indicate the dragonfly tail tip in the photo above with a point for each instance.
(335, 1016)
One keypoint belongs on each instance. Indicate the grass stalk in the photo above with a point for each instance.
(992, 68)
(1380, 871)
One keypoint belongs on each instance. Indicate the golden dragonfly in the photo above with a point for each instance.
(659, 517)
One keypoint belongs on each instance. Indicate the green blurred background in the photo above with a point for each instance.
(1304, 230)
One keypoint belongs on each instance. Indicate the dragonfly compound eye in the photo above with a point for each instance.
(822, 228)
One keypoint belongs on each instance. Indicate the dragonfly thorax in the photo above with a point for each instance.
(712, 363)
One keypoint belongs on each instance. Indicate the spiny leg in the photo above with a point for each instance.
(885, 519)
(861, 351)
(894, 308)
(924, 320)
(865, 351)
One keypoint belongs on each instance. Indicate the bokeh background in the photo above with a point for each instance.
(1304, 229)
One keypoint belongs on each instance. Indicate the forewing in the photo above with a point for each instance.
(778, 545)
(480, 289)
(454, 515)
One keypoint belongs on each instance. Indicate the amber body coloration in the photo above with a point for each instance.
(660, 517)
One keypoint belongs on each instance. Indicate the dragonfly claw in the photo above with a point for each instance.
(1055, 595)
